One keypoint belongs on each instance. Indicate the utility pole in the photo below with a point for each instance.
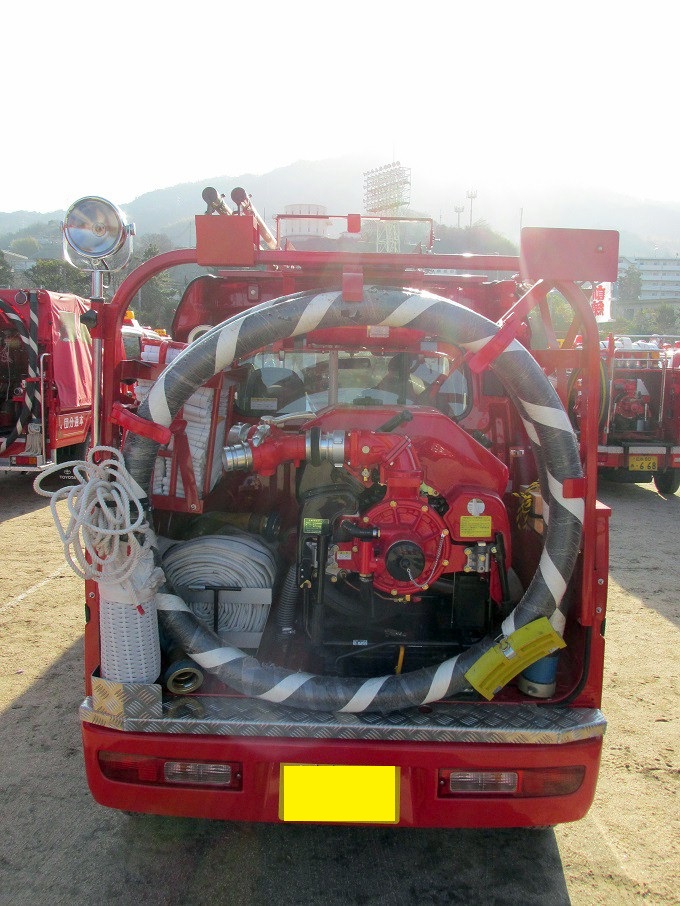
(459, 210)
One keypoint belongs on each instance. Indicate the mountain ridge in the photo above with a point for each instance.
(646, 228)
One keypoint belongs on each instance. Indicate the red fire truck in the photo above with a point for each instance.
(639, 426)
(45, 378)
(352, 567)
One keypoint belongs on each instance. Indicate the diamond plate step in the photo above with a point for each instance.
(446, 722)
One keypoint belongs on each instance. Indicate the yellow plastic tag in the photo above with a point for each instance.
(523, 647)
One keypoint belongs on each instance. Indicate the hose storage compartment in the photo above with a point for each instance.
(547, 426)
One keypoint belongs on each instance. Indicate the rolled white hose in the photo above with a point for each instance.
(237, 561)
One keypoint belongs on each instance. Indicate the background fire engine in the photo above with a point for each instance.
(45, 378)
(639, 424)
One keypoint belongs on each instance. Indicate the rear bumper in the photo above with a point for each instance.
(462, 738)
(622, 457)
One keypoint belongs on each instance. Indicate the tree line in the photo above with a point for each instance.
(155, 303)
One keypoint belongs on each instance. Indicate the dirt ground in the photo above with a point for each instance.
(60, 847)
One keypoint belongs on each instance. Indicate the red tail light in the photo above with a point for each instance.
(25, 460)
(127, 768)
(522, 782)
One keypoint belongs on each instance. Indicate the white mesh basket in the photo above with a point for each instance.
(130, 650)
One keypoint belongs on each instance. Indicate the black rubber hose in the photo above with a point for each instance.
(288, 598)
(362, 532)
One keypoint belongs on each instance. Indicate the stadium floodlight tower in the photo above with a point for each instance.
(387, 189)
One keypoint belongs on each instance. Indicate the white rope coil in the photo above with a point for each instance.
(106, 534)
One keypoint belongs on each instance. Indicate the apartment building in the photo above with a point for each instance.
(660, 279)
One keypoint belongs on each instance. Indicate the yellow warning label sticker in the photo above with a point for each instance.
(475, 526)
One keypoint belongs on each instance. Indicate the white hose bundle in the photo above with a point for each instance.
(236, 561)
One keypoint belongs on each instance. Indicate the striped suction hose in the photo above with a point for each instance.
(548, 428)
(32, 400)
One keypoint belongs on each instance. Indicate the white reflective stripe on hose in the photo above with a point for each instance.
(552, 576)
(365, 694)
(314, 313)
(283, 690)
(157, 402)
(409, 310)
(226, 346)
(531, 431)
(440, 681)
(209, 659)
(575, 505)
(476, 345)
(171, 602)
(548, 416)
(508, 624)
(558, 621)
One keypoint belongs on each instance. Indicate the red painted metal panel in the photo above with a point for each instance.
(559, 254)
(225, 240)
(420, 804)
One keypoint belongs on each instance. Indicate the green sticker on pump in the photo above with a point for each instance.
(314, 526)
(475, 526)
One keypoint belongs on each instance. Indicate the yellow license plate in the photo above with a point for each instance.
(366, 794)
(637, 462)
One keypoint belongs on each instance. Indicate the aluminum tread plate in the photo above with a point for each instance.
(477, 722)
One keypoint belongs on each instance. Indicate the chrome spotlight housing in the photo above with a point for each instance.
(95, 229)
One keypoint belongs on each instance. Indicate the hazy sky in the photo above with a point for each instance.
(153, 94)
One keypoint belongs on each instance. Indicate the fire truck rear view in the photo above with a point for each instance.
(343, 556)
(639, 425)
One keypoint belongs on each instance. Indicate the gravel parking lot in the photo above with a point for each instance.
(60, 847)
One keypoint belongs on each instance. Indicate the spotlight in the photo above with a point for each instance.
(95, 228)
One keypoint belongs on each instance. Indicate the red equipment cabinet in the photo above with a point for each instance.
(45, 379)
(410, 495)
